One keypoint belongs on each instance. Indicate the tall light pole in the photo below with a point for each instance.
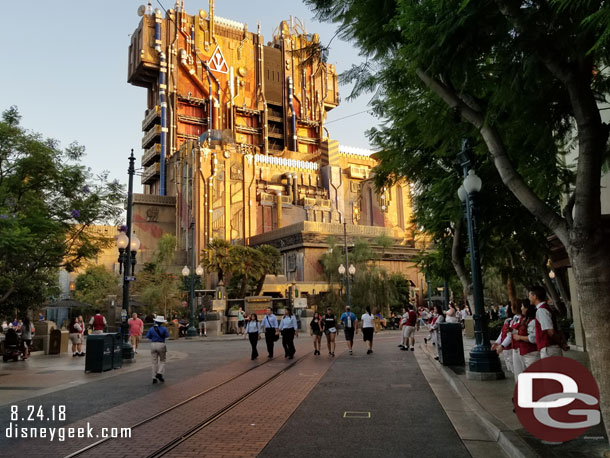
(128, 247)
(186, 273)
(347, 295)
(484, 363)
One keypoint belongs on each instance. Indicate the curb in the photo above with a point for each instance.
(508, 440)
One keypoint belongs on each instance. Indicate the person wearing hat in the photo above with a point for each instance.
(157, 335)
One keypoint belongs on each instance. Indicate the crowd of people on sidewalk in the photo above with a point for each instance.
(530, 333)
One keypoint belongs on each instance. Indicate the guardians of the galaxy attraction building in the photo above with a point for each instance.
(234, 147)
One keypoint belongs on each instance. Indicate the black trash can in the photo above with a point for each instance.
(99, 353)
(450, 344)
(117, 351)
(54, 342)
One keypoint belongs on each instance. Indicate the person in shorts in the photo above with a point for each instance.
(316, 328)
(408, 329)
(330, 329)
(202, 319)
(350, 326)
(76, 337)
(368, 328)
(241, 321)
(136, 329)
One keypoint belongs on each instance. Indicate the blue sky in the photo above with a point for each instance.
(64, 65)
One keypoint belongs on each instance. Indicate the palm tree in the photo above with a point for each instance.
(215, 257)
(246, 262)
(271, 264)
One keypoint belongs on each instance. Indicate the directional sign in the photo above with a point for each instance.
(130, 278)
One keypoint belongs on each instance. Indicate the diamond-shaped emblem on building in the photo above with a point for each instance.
(218, 62)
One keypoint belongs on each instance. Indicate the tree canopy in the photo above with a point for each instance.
(48, 200)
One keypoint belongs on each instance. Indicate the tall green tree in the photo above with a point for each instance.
(157, 285)
(48, 200)
(246, 262)
(521, 78)
(95, 284)
(215, 257)
(271, 258)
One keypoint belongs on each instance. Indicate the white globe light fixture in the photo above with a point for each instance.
(462, 194)
(199, 270)
(551, 274)
(352, 269)
(341, 269)
(186, 271)
(122, 241)
(134, 245)
(472, 183)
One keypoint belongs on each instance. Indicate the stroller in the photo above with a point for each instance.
(12, 346)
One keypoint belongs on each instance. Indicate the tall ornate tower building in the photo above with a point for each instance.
(235, 147)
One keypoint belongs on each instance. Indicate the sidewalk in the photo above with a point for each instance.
(482, 412)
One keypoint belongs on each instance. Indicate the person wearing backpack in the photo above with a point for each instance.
(158, 350)
(350, 326)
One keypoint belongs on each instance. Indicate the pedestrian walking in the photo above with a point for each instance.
(368, 328)
(241, 320)
(289, 329)
(330, 329)
(253, 331)
(158, 350)
(202, 319)
(136, 329)
(548, 337)
(440, 318)
(97, 323)
(75, 336)
(526, 335)
(272, 332)
(27, 333)
(408, 329)
(350, 327)
(316, 327)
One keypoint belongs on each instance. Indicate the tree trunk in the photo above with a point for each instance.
(457, 259)
(259, 286)
(512, 295)
(591, 264)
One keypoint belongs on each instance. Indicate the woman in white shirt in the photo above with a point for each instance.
(368, 328)
(451, 316)
(253, 331)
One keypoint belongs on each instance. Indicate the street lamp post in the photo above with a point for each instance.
(128, 248)
(484, 363)
(186, 273)
(347, 275)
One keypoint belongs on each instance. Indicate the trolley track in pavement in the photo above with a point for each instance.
(184, 402)
(169, 446)
(169, 409)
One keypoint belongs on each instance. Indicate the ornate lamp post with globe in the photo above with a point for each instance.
(186, 273)
(484, 363)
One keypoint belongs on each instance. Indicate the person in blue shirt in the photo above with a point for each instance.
(158, 350)
(289, 328)
(272, 332)
(350, 326)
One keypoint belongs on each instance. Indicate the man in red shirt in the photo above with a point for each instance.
(136, 328)
(408, 331)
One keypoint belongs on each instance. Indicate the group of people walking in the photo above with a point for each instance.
(288, 329)
(530, 332)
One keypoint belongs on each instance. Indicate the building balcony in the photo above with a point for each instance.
(151, 136)
(151, 173)
(151, 155)
(152, 115)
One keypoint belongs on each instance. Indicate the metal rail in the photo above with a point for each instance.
(181, 403)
